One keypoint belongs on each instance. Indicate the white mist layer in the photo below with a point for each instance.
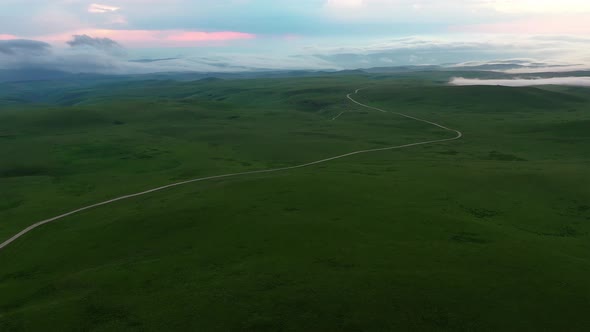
(570, 81)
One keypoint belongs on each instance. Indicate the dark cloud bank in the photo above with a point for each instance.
(84, 55)
(24, 47)
(104, 44)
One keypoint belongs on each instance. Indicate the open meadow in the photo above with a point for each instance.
(490, 232)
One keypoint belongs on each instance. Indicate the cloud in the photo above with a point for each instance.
(571, 81)
(109, 14)
(100, 52)
(101, 9)
(88, 56)
(32, 54)
(20, 47)
(444, 50)
(104, 44)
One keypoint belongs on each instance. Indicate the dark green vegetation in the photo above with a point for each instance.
(487, 233)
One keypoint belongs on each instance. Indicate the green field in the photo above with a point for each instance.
(490, 232)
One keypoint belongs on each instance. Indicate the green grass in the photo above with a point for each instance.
(487, 233)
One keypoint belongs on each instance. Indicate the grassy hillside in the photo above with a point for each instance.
(487, 233)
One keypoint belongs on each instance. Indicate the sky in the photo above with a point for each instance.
(141, 36)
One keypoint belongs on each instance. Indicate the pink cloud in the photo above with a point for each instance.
(551, 25)
(7, 37)
(155, 37)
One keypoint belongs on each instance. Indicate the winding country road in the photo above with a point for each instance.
(458, 135)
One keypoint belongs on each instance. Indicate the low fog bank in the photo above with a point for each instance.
(571, 81)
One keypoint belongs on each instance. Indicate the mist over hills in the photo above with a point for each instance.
(497, 70)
